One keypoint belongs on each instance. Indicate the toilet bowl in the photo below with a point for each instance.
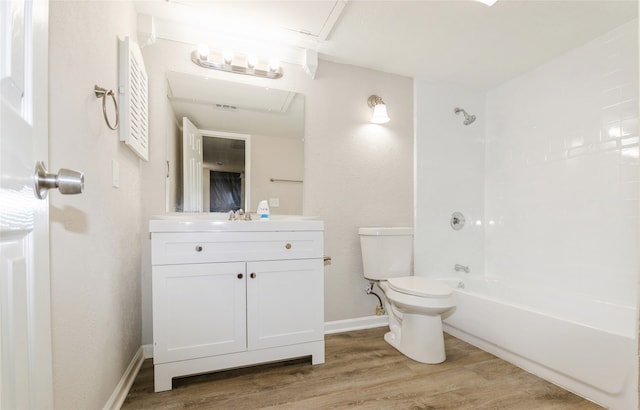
(414, 304)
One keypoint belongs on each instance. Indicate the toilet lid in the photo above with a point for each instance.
(418, 286)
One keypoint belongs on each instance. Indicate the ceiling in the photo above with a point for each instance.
(461, 42)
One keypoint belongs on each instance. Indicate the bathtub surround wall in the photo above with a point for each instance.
(94, 237)
(559, 187)
(562, 172)
(449, 178)
(355, 171)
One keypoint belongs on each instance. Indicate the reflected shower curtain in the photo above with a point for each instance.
(226, 191)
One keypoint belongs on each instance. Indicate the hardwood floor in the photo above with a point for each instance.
(362, 371)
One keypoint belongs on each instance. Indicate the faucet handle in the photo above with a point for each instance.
(463, 268)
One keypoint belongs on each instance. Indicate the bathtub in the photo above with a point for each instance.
(585, 346)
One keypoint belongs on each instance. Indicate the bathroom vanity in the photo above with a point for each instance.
(234, 293)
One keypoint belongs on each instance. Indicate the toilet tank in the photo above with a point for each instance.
(386, 252)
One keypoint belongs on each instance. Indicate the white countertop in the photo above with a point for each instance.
(218, 222)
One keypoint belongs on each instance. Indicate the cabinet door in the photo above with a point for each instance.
(285, 302)
(198, 310)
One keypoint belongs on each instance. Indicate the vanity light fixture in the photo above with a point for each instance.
(204, 58)
(379, 110)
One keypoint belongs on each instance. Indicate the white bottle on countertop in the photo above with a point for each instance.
(263, 209)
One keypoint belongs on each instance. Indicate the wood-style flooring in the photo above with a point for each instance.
(362, 371)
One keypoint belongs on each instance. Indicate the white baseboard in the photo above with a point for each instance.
(122, 389)
(147, 351)
(358, 323)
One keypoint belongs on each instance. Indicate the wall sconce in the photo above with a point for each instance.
(487, 2)
(204, 58)
(379, 110)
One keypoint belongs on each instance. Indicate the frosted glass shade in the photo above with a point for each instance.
(380, 114)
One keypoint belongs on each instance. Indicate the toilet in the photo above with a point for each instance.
(414, 304)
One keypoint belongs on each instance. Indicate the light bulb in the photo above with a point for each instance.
(227, 56)
(274, 64)
(203, 51)
(252, 60)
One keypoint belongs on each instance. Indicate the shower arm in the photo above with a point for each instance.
(468, 119)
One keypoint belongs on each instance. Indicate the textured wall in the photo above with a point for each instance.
(356, 173)
(95, 237)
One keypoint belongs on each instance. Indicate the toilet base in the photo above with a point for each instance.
(420, 337)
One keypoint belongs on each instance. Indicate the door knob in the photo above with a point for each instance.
(68, 181)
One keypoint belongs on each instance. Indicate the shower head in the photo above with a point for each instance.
(468, 119)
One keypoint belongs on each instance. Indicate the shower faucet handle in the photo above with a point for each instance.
(463, 268)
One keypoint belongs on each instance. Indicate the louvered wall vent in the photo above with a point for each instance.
(134, 107)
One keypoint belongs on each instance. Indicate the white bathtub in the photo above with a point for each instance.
(585, 346)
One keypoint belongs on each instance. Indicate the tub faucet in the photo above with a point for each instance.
(463, 268)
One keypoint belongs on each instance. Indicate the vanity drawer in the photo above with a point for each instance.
(204, 247)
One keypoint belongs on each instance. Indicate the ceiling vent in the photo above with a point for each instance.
(226, 107)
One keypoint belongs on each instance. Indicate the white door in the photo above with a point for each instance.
(191, 167)
(25, 332)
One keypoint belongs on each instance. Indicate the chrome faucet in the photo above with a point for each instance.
(463, 268)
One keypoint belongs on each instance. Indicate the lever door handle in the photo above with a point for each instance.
(67, 181)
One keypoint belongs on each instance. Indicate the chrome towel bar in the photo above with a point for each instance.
(285, 180)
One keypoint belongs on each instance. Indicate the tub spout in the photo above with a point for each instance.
(463, 268)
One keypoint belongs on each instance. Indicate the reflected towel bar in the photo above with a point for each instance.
(285, 180)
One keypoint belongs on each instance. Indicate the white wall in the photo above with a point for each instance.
(549, 172)
(562, 172)
(449, 178)
(95, 237)
(356, 173)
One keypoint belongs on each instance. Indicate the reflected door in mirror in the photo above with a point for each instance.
(192, 166)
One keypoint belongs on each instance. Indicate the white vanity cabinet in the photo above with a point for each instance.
(233, 294)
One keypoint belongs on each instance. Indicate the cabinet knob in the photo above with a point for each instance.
(240, 276)
(288, 246)
(198, 248)
(253, 275)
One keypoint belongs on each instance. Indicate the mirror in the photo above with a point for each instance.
(251, 143)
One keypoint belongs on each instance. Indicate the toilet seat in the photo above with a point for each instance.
(419, 286)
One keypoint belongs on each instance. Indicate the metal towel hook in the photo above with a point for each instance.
(103, 93)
